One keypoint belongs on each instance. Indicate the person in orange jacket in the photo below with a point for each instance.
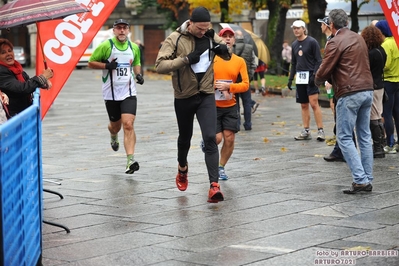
(225, 75)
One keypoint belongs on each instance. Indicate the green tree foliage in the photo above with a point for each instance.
(143, 4)
(176, 6)
(273, 34)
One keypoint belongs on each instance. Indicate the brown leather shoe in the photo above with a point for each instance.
(355, 188)
(332, 158)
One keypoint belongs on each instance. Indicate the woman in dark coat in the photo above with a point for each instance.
(15, 82)
(374, 38)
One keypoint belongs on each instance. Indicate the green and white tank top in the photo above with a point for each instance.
(119, 84)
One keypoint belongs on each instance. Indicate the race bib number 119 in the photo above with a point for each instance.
(302, 77)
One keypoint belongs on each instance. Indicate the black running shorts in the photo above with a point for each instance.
(115, 109)
(227, 119)
(303, 91)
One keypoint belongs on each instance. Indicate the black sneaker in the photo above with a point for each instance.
(132, 166)
(115, 144)
(256, 105)
(355, 188)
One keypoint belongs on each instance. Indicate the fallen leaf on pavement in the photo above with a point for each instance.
(359, 248)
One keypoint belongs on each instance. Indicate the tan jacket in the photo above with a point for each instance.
(346, 63)
(171, 59)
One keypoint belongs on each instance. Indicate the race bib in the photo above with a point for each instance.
(302, 77)
(222, 96)
(122, 73)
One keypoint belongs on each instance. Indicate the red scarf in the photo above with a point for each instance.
(16, 68)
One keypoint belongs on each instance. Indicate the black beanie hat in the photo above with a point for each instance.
(200, 14)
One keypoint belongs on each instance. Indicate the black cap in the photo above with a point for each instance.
(200, 14)
(324, 20)
(121, 21)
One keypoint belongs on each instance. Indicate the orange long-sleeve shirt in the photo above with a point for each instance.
(229, 70)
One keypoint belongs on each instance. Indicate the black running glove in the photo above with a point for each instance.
(220, 49)
(289, 85)
(111, 65)
(140, 79)
(194, 57)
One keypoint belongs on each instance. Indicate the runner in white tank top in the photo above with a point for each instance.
(119, 60)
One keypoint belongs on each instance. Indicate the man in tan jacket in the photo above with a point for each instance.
(188, 53)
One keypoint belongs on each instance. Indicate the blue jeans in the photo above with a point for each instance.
(391, 110)
(353, 111)
(247, 103)
(336, 152)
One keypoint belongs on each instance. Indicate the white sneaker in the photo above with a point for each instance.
(320, 135)
(389, 150)
(305, 135)
(222, 174)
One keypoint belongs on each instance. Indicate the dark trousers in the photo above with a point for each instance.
(391, 111)
(203, 106)
(247, 104)
(286, 68)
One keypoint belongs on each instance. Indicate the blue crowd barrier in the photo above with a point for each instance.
(21, 187)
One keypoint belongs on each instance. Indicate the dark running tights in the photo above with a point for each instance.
(204, 107)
